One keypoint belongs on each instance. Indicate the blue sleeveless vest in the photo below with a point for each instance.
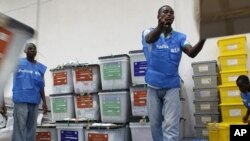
(163, 58)
(28, 80)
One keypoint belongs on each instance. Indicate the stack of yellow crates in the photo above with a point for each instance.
(232, 63)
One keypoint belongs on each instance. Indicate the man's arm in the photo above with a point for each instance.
(245, 118)
(44, 106)
(154, 35)
(193, 51)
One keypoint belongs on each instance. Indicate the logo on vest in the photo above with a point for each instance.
(161, 46)
(175, 50)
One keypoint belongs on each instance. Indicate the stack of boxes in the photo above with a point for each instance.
(115, 80)
(139, 125)
(87, 84)
(206, 95)
(61, 99)
(138, 89)
(114, 100)
(63, 105)
(100, 101)
(89, 101)
(232, 62)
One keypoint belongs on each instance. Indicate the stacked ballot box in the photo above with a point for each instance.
(138, 97)
(107, 132)
(116, 81)
(206, 96)
(75, 92)
(86, 78)
(62, 80)
(62, 107)
(115, 72)
(70, 130)
(61, 99)
(114, 106)
(138, 65)
(87, 84)
(138, 89)
(46, 132)
(232, 63)
(87, 106)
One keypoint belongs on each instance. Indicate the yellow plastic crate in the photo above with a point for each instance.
(220, 131)
(229, 94)
(230, 77)
(233, 62)
(231, 45)
(232, 112)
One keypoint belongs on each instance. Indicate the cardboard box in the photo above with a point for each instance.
(223, 17)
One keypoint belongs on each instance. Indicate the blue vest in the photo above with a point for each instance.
(163, 59)
(246, 99)
(28, 80)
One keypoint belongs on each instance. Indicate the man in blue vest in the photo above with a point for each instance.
(28, 90)
(244, 86)
(163, 49)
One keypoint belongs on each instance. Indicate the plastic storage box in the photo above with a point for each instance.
(46, 132)
(232, 45)
(206, 93)
(115, 106)
(86, 78)
(87, 107)
(138, 65)
(232, 112)
(203, 119)
(205, 67)
(230, 77)
(140, 131)
(206, 106)
(205, 81)
(70, 131)
(218, 131)
(115, 72)
(201, 131)
(107, 132)
(62, 80)
(138, 97)
(233, 62)
(229, 94)
(62, 107)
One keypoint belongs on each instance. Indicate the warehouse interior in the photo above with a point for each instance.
(81, 31)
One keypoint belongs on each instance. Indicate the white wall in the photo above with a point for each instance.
(83, 30)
